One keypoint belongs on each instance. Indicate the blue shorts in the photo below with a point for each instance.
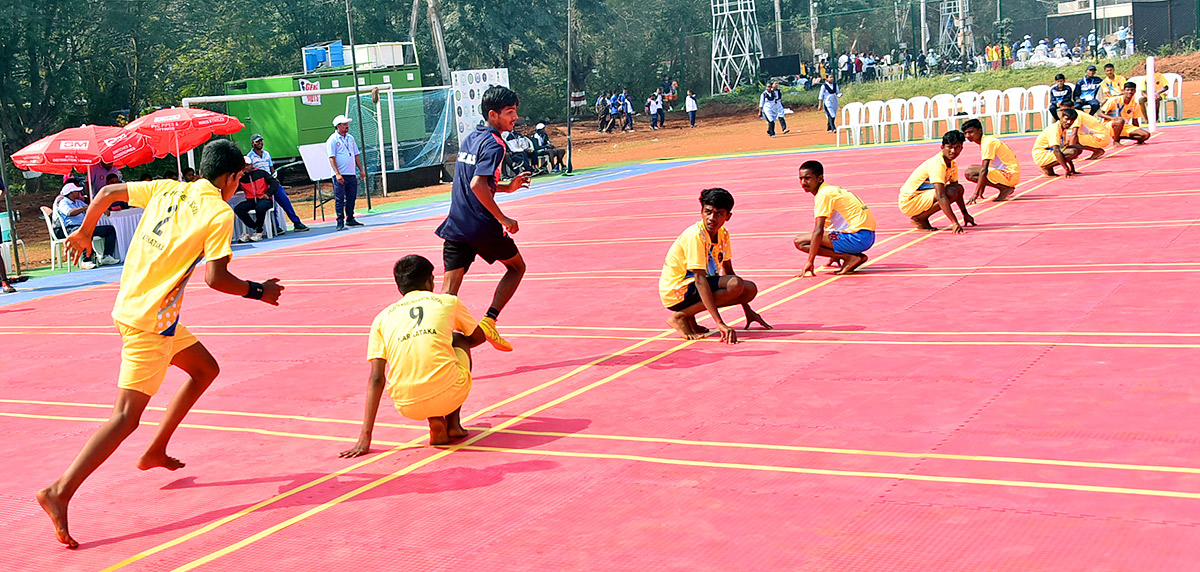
(852, 242)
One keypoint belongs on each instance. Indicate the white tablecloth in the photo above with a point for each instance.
(126, 222)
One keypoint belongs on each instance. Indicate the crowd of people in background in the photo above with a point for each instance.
(615, 109)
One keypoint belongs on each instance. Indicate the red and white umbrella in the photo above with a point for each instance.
(84, 146)
(177, 130)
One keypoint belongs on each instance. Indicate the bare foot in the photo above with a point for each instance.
(458, 432)
(852, 263)
(922, 225)
(57, 510)
(438, 433)
(153, 460)
(1098, 153)
(696, 327)
(679, 322)
(1004, 195)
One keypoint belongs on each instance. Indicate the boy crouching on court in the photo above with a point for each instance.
(416, 345)
(690, 282)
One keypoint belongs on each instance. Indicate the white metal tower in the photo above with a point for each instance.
(956, 38)
(736, 46)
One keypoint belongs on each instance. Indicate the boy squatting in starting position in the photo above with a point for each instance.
(1058, 144)
(934, 186)
(1124, 113)
(690, 282)
(998, 167)
(851, 222)
(182, 222)
(1093, 132)
(430, 360)
(475, 225)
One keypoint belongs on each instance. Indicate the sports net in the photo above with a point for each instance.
(411, 129)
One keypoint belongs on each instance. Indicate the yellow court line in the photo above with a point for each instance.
(414, 466)
(626, 439)
(837, 473)
(453, 449)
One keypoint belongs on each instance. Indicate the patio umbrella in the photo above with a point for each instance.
(177, 130)
(84, 146)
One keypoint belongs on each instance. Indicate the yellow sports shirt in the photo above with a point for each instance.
(933, 170)
(1053, 135)
(1112, 87)
(415, 336)
(1117, 106)
(1002, 157)
(693, 250)
(831, 201)
(1091, 126)
(182, 223)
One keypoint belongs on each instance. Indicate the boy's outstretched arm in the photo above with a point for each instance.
(814, 244)
(982, 182)
(483, 192)
(218, 277)
(751, 315)
(476, 337)
(939, 191)
(709, 299)
(79, 242)
(374, 393)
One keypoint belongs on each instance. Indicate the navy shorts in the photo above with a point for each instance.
(692, 295)
(852, 242)
(457, 254)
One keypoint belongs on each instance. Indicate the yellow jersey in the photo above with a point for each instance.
(933, 170)
(1112, 87)
(843, 209)
(415, 336)
(1117, 108)
(1091, 125)
(183, 223)
(693, 250)
(1054, 135)
(1001, 155)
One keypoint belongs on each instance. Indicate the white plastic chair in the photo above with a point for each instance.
(1014, 105)
(851, 121)
(990, 106)
(894, 114)
(919, 112)
(966, 105)
(1039, 105)
(1174, 97)
(943, 112)
(873, 120)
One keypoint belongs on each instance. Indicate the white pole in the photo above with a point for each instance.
(379, 130)
(1151, 92)
(392, 121)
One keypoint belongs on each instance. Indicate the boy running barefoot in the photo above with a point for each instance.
(1124, 113)
(182, 222)
(853, 225)
(999, 168)
(690, 282)
(475, 225)
(1058, 144)
(419, 346)
(934, 187)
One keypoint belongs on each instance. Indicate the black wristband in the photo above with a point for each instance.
(256, 291)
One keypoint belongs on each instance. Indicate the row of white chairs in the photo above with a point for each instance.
(1017, 106)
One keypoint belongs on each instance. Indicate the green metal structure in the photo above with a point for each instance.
(287, 122)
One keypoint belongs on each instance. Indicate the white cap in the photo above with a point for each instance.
(340, 120)
(540, 126)
(70, 188)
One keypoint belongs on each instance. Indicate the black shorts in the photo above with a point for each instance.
(456, 254)
(693, 296)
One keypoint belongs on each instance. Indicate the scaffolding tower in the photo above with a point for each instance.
(736, 47)
(957, 41)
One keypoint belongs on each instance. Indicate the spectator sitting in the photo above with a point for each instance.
(1058, 92)
(519, 148)
(546, 149)
(261, 160)
(1087, 91)
(71, 210)
(254, 185)
(189, 175)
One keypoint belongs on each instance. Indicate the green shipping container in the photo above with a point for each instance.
(286, 123)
